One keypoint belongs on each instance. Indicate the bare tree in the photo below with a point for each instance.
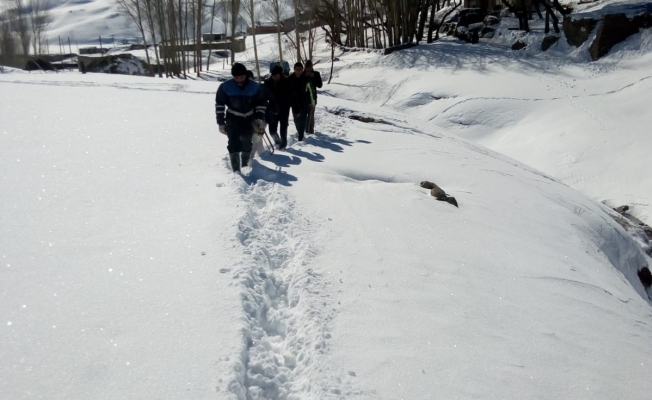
(213, 11)
(310, 35)
(441, 23)
(200, 19)
(274, 12)
(134, 9)
(150, 13)
(234, 11)
(297, 36)
(39, 20)
(7, 42)
(251, 11)
(159, 13)
(21, 25)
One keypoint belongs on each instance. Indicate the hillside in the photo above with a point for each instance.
(137, 265)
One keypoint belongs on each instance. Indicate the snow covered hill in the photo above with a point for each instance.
(136, 265)
(562, 117)
(84, 21)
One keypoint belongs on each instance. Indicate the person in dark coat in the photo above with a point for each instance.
(316, 82)
(278, 109)
(240, 106)
(301, 99)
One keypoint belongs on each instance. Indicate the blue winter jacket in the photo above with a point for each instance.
(240, 104)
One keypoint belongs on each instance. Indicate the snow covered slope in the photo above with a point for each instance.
(584, 123)
(84, 21)
(136, 265)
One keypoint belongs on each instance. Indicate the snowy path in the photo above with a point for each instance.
(288, 306)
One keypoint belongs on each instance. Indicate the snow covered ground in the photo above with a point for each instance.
(136, 265)
(560, 116)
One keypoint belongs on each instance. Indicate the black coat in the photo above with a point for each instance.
(300, 93)
(280, 94)
(316, 82)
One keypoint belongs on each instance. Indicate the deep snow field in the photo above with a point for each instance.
(136, 265)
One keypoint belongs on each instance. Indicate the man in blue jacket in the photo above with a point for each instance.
(240, 106)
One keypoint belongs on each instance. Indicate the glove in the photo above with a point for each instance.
(223, 129)
(259, 126)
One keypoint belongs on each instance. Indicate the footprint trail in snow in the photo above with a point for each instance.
(287, 305)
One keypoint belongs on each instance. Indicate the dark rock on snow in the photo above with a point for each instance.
(548, 41)
(614, 28)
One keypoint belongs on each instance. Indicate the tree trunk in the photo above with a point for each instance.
(296, 29)
(253, 33)
(422, 19)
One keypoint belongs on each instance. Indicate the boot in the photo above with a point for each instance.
(245, 158)
(284, 141)
(235, 161)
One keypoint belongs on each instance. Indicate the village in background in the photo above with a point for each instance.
(182, 39)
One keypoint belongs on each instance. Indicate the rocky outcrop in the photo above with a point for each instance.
(548, 41)
(125, 64)
(487, 32)
(643, 21)
(640, 232)
(645, 276)
(613, 29)
(519, 45)
(577, 31)
(642, 235)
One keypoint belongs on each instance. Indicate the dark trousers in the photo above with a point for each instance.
(300, 122)
(310, 128)
(282, 119)
(240, 132)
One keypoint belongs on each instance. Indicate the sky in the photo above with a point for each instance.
(135, 264)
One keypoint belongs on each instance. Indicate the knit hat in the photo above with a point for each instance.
(277, 70)
(298, 65)
(238, 70)
(308, 64)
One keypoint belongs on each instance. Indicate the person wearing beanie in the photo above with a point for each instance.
(278, 111)
(300, 99)
(315, 81)
(240, 107)
(238, 69)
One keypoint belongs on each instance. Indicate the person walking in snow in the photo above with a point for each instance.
(240, 106)
(316, 82)
(301, 99)
(278, 110)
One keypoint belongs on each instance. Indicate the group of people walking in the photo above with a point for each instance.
(244, 108)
